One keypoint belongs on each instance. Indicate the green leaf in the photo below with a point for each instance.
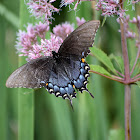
(116, 135)
(104, 21)
(25, 96)
(137, 67)
(99, 69)
(138, 83)
(9, 16)
(119, 61)
(26, 114)
(101, 56)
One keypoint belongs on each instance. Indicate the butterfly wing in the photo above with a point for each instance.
(65, 71)
(32, 74)
(80, 40)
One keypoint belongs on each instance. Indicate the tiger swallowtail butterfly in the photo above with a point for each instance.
(65, 71)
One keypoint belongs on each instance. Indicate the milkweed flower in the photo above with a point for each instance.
(80, 21)
(32, 42)
(42, 8)
(41, 29)
(63, 30)
(68, 2)
(135, 1)
(45, 48)
(110, 7)
(130, 34)
(26, 39)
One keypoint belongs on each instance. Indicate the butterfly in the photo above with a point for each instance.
(64, 72)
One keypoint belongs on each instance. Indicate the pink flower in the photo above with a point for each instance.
(135, 1)
(41, 29)
(42, 8)
(134, 20)
(36, 50)
(45, 48)
(80, 21)
(68, 2)
(23, 42)
(53, 44)
(32, 43)
(110, 7)
(130, 34)
(63, 30)
(26, 40)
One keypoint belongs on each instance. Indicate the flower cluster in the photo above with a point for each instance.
(45, 48)
(136, 21)
(68, 2)
(42, 8)
(63, 30)
(80, 21)
(26, 41)
(129, 32)
(110, 7)
(135, 1)
(32, 43)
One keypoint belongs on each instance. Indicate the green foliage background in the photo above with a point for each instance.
(36, 115)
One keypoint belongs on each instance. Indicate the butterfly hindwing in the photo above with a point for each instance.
(64, 71)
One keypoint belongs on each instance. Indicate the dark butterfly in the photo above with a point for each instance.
(65, 71)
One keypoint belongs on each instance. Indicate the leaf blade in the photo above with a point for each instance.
(101, 56)
(100, 69)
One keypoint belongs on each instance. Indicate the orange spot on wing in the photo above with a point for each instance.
(83, 60)
(46, 84)
(73, 86)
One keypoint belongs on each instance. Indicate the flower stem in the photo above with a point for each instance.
(125, 52)
(136, 76)
(127, 79)
(115, 78)
(127, 112)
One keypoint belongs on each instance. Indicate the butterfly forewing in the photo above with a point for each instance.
(80, 40)
(32, 74)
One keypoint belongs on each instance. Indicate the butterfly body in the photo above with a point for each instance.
(65, 71)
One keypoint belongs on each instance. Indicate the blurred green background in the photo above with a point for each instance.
(26, 114)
